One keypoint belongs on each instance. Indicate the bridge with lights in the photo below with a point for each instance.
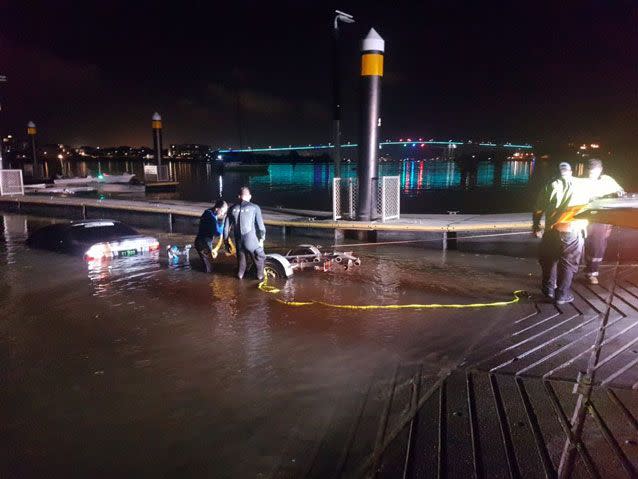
(407, 143)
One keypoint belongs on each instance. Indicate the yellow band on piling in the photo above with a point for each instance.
(371, 64)
(31, 131)
(157, 124)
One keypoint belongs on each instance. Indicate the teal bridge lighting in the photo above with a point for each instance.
(410, 143)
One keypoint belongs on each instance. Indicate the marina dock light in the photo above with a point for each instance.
(157, 137)
(31, 132)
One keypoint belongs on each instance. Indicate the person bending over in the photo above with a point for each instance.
(210, 237)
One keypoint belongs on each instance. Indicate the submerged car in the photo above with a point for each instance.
(94, 239)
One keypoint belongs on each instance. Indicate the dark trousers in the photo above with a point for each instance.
(204, 247)
(559, 258)
(257, 256)
(595, 247)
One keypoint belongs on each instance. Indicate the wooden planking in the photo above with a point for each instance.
(393, 460)
(491, 455)
(619, 433)
(547, 420)
(424, 458)
(459, 454)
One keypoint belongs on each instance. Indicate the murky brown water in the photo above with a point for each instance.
(136, 368)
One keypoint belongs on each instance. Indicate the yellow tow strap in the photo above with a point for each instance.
(215, 251)
(271, 289)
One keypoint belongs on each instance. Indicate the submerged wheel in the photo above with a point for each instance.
(274, 269)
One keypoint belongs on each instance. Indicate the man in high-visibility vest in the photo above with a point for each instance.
(598, 234)
(562, 240)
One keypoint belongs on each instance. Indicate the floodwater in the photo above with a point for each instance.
(134, 368)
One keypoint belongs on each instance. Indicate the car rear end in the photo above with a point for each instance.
(123, 247)
(109, 239)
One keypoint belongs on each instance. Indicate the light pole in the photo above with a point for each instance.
(336, 90)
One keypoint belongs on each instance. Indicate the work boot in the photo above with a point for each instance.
(592, 279)
(548, 291)
(564, 299)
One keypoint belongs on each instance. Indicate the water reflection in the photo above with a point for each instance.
(309, 184)
(114, 278)
(14, 232)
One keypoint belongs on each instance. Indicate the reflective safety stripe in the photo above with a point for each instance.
(157, 124)
(568, 215)
(31, 131)
(371, 64)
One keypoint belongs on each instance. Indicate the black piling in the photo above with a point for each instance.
(31, 132)
(157, 137)
(372, 49)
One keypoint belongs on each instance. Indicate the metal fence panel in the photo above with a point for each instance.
(11, 182)
(387, 198)
(154, 173)
(353, 197)
(390, 198)
(336, 199)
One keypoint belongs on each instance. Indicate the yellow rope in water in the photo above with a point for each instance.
(271, 289)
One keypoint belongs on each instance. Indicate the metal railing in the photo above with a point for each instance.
(345, 198)
(11, 182)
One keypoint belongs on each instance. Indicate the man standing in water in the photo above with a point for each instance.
(562, 244)
(210, 236)
(598, 234)
(249, 231)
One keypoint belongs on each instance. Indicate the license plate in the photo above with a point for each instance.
(127, 252)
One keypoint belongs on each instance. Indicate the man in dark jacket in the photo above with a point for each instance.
(249, 232)
(210, 236)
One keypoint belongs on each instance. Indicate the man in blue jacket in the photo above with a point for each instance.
(249, 232)
(210, 236)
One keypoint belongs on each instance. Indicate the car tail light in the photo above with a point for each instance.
(154, 246)
(97, 251)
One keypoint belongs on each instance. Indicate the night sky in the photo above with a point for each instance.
(94, 72)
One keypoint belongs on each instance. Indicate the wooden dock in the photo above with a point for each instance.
(161, 186)
(305, 219)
